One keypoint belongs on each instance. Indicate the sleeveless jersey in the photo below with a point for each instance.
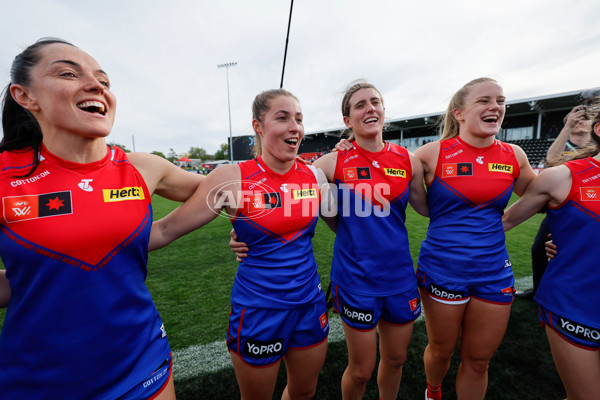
(371, 254)
(80, 323)
(569, 286)
(277, 221)
(465, 240)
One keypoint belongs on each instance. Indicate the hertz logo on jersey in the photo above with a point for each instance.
(304, 194)
(126, 193)
(395, 172)
(500, 168)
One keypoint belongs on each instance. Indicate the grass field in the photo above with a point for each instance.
(191, 279)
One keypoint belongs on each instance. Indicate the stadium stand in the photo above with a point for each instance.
(531, 123)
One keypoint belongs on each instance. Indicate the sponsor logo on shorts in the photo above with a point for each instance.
(123, 194)
(395, 172)
(578, 330)
(457, 169)
(590, 193)
(259, 349)
(21, 208)
(304, 194)
(355, 173)
(357, 316)
(444, 293)
(506, 168)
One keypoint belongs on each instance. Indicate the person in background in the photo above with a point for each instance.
(574, 136)
(278, 308)
(464, 271)
(568, 295)
(76, 217)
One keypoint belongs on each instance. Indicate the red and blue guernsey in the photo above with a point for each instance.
(371, 254)
(80, 323)
(277, 221)
(569, 287)
(465, 240)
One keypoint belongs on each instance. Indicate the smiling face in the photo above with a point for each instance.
(68, 93)
(281, 131)
(366, 113)
(483, 111)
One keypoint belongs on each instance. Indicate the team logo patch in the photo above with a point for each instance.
(304, 194)
(21, 208)
(260, 349)
(414, 304)
(506, 168)
(395, 172)
(355, 173)
(457, 169)
(590, 193)
(265, 201)
(323, 320)
(508, 291)
(126, 193)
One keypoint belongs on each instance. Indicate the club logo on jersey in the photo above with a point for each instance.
(21, 208)
(458, 169)
(356, 173)
(578, 330)
(85, 185)
(304, 194)
(265, 201)
(123, 194)
(395, 172)
(259, 349)
(590, 193)
(506, 168)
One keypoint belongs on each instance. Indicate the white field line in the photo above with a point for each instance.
(213, 357)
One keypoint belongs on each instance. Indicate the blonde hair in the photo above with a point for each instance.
(261, 105)
(449, 124)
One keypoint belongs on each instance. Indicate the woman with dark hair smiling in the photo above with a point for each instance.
(76, 218)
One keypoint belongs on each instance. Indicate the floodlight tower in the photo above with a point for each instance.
(226, 66)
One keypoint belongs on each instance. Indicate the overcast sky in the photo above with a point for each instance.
(162, 56)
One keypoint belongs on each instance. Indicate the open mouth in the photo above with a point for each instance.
(371, 120)
(291, 141)
(490, 119)
(94, 107)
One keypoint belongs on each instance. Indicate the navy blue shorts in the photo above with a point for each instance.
(573, 332)
(261, 336)
(500, 291)
(363, 312)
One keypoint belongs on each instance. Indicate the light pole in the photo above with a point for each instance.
(226, 66)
